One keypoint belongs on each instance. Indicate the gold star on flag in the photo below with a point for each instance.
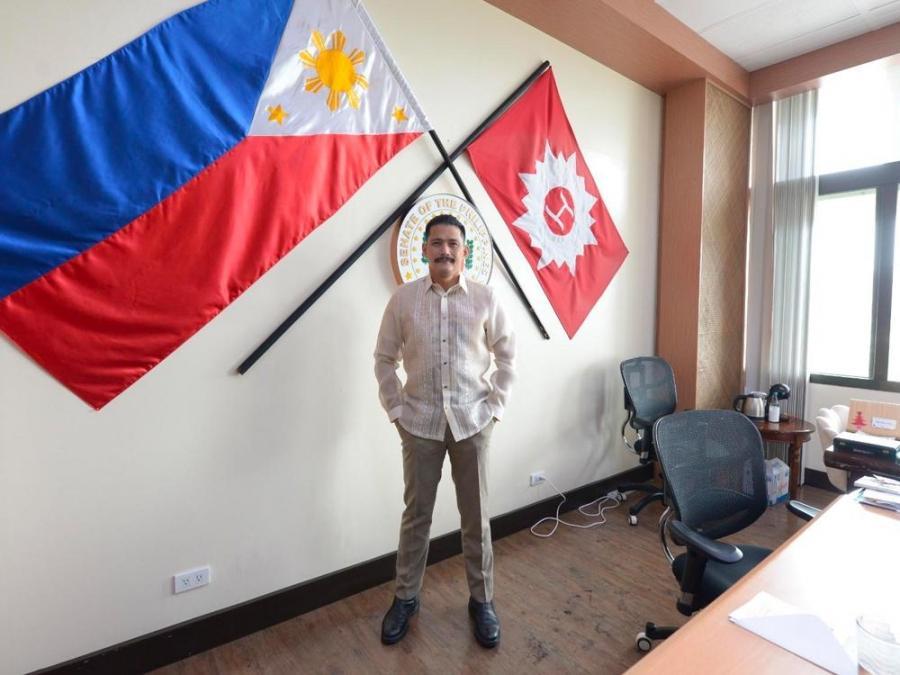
(408, 276)
(399, 114)
(276, 114)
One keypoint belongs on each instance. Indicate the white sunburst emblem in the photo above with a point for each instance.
(558, 216)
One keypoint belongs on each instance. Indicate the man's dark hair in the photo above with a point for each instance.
(445, 219)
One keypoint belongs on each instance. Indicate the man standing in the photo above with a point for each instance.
(444, 329)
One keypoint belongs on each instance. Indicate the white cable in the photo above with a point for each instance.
(557, 521)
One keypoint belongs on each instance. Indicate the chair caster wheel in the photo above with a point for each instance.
(642, 642)
(632, 520)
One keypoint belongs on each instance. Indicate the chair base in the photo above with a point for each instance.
(643, 642)
(653, 494)
(647, 488)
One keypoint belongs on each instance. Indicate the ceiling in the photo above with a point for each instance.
(758, 33)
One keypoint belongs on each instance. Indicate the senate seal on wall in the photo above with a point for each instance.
(409, 235)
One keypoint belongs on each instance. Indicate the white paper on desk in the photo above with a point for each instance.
(801, 632)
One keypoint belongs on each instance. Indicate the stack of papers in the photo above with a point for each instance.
(878, 491)
(879, 483)
(805, 634)
(885, 500)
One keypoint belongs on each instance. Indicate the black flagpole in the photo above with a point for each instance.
(506, 267)
(373, 237)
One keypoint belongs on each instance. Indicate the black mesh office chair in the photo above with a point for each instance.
(649, 395)
(713, 465)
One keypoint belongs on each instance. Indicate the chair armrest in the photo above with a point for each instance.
(804, 511)
(716, 550)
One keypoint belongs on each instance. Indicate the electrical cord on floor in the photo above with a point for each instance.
(615, 496)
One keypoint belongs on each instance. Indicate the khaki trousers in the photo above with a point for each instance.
(423, 460)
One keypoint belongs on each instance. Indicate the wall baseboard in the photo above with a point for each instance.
(180, 641)
(818, 479)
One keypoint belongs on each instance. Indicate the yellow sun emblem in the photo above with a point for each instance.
(335, 70)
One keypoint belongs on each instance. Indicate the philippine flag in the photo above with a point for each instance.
(139, 197)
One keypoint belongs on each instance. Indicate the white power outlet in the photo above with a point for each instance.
(187, 581)
(536, 478)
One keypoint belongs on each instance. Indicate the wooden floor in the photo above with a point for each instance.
(569, 604)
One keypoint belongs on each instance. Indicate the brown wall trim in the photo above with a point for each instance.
(636, 38)
(804, 72)
(680, 221)
(175, 643)
(717, 66)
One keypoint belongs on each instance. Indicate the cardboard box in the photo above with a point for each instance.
(778, 479)
(874, 418)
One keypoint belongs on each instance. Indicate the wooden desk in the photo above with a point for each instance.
(839, 566)
(859, 465)
(795, 432)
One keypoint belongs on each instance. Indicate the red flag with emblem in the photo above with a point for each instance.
(531, 167)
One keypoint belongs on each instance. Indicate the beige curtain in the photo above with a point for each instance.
(782, 200)
(794, 200)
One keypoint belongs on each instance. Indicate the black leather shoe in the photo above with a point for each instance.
(487, 624)
(396, 621)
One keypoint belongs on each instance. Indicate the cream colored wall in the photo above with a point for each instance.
(292, 471)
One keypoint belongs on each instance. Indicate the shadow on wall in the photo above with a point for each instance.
(600, 409)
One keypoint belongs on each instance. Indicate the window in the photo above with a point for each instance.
(858, 118)
(894, 354)
(841, 271)
(854, 311)
(855, 280)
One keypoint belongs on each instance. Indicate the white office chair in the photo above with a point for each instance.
(829, 423)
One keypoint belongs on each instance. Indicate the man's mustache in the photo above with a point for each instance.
(445, 258)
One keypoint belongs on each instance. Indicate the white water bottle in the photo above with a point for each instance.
(774, 412)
